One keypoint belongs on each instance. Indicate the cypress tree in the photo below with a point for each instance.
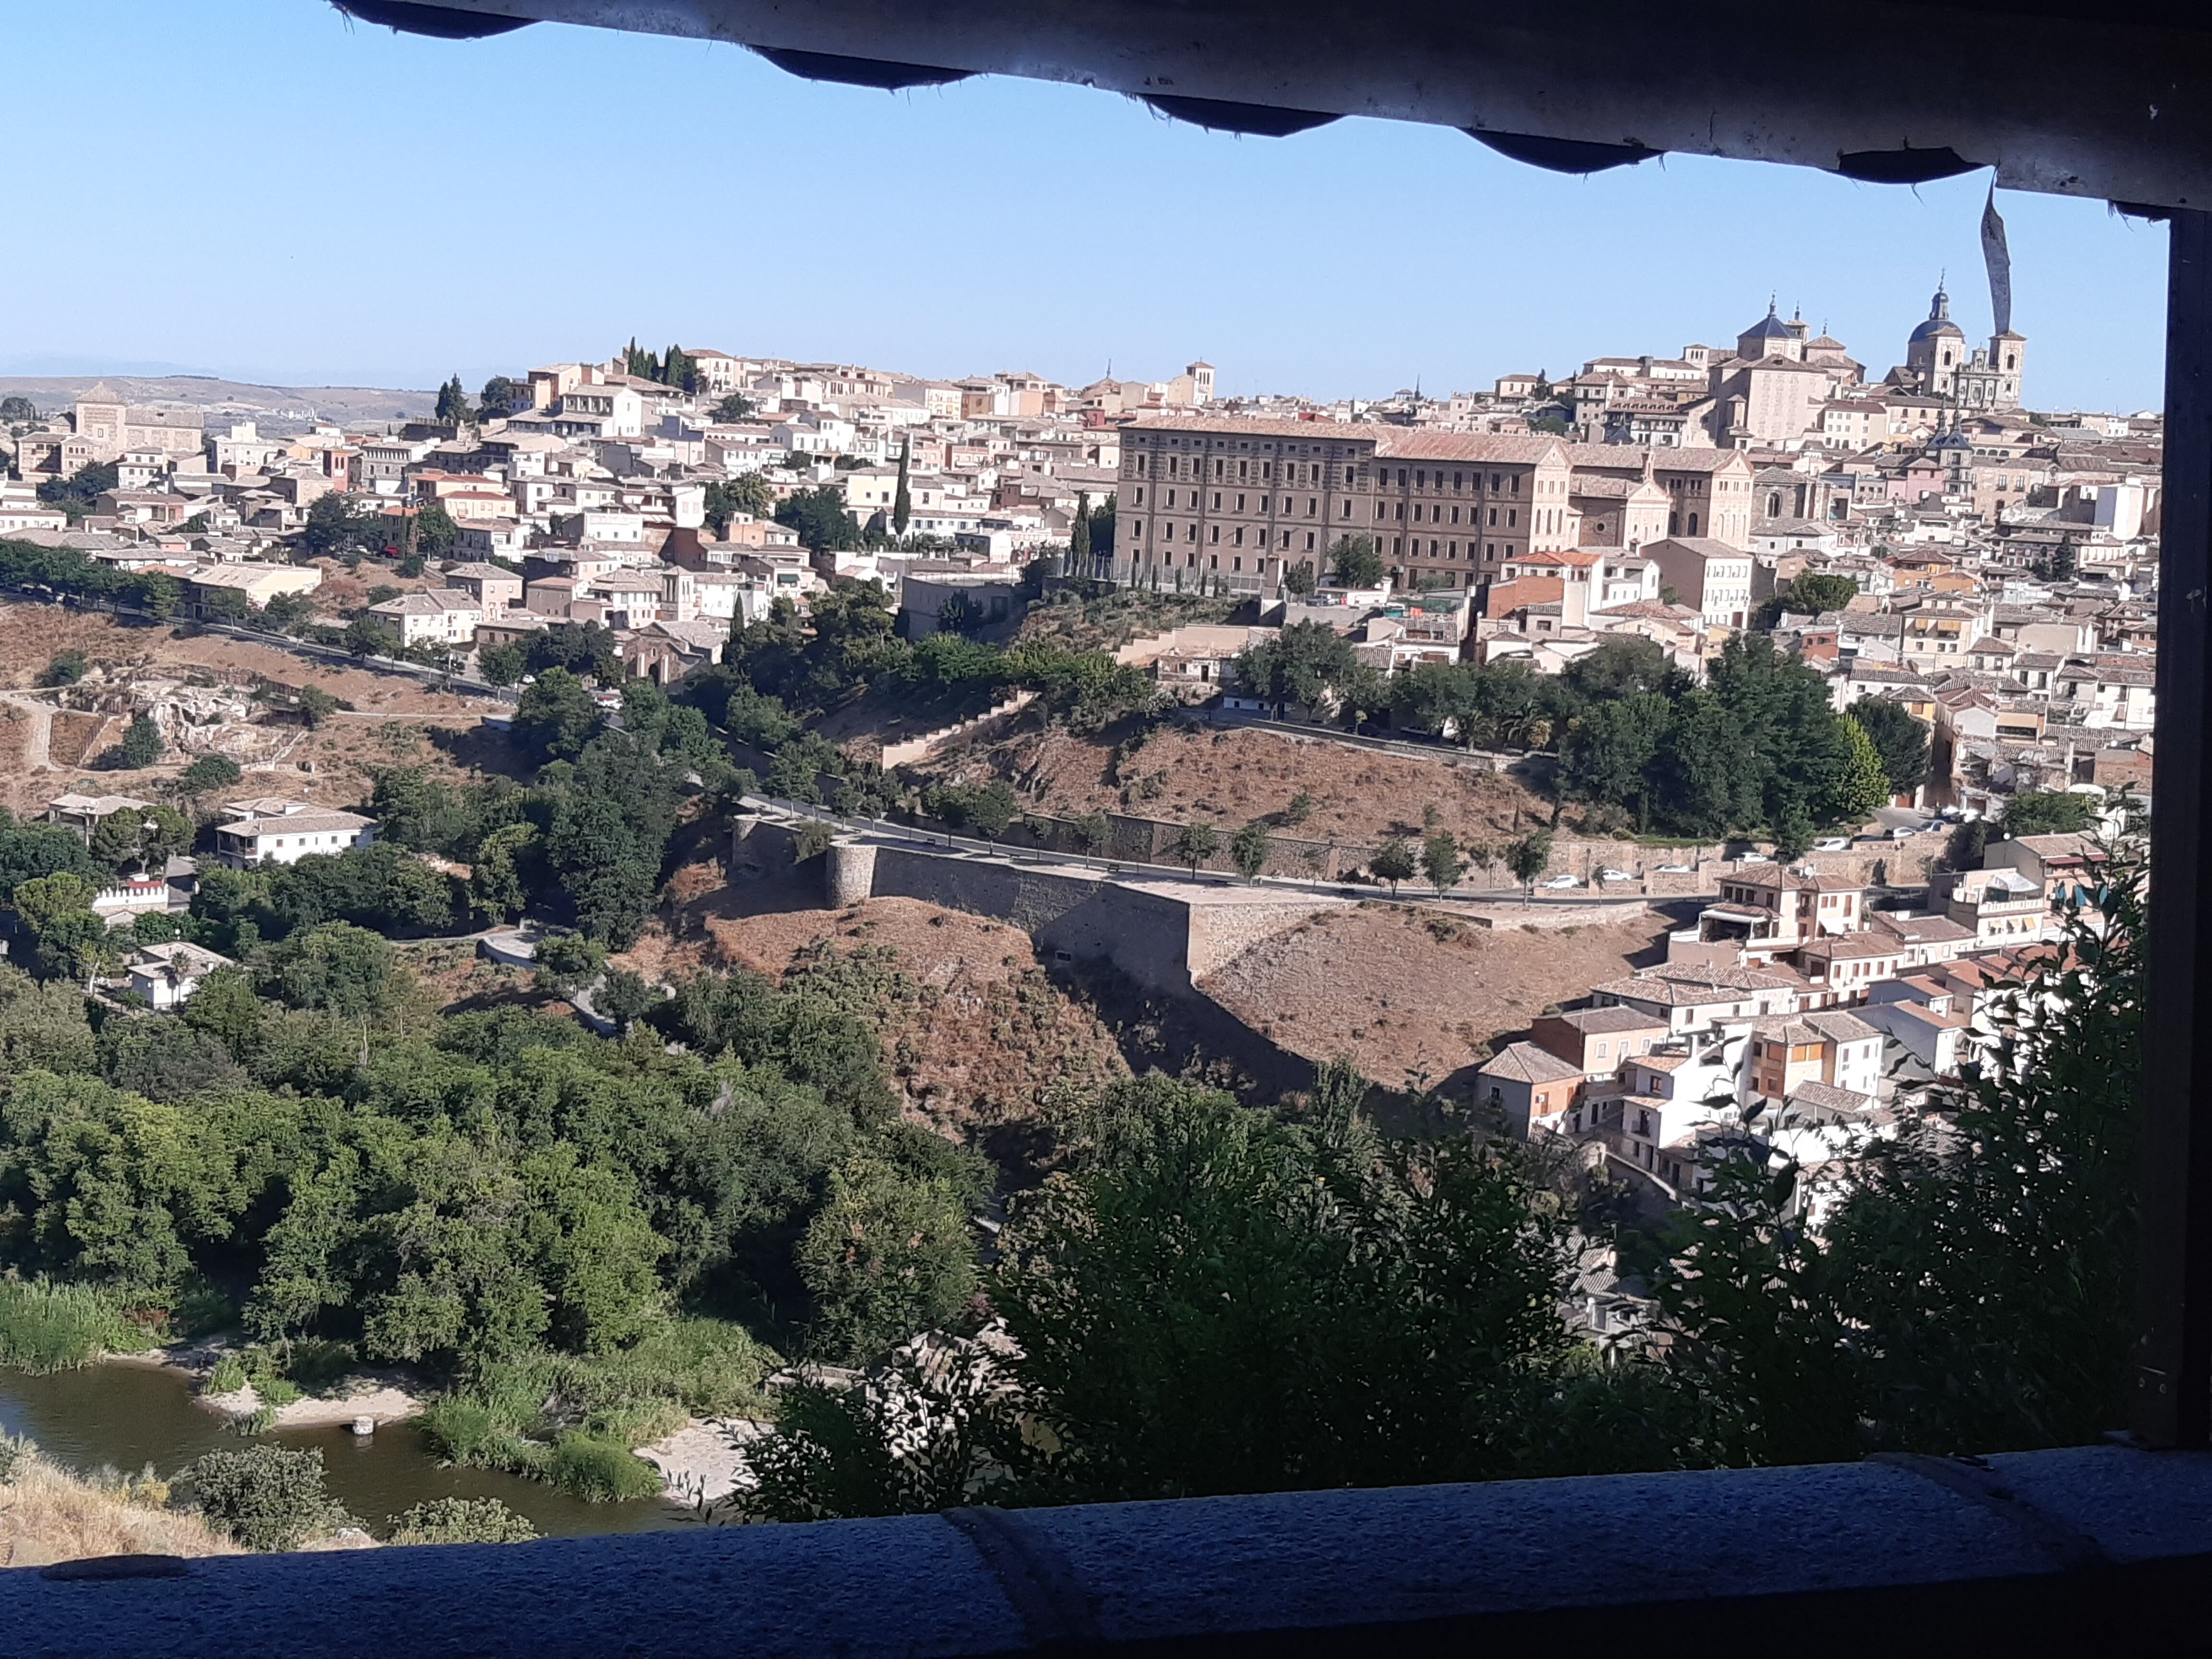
(901, 503)
(1078, 537)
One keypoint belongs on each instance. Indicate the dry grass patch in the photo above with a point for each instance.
(48, 1514)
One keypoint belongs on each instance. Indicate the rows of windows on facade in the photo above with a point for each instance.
(1629, 453)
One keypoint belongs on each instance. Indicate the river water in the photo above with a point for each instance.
(129, 1415)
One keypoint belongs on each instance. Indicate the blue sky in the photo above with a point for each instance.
(258, 189)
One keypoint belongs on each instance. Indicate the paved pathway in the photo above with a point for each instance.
(38, 753)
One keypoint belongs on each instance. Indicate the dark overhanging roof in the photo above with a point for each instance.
(2070, 97)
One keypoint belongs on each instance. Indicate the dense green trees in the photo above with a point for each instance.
(335, 525)
(139, 748)
(1865, 783)
(501, 665)
(1163, 1298)
(2055, 813)
(79, 494)
(586, 839)
(433, 533)
(1757, 745)
(378, 887)
(489, 1184)
(64, 570)
(206, 775)
(39, 849)
(820, 518)
(983, 809)
(1900, 738)
(1307, 664)
(1808, 594)
(502, 397)
(453, 408)
(779, 666)
(1210, 1299)
(749, 494)
(555, 717)
(146, 838)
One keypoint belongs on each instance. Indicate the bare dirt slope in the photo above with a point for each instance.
(396, 718)
(1358, 796)
(976, 1035)
(1415, 996)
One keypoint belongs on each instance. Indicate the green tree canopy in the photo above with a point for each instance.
(1441, 861)
(1393, 862)
(1864, 784)
(1247, 849)
(64, 667)
(2059, 812)
(1194, 843)
(1808, 594)
(1354, 562)
(1304, 664)
(820, 517)
(452, 403)
(555, 717)
(1900, 738)
(1529, 857)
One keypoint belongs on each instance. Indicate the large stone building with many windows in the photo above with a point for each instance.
(1207, 499)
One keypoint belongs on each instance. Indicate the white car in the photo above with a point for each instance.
(1614, 875)
(1754, 857)
(1564, 881)
(1676, 870)
(1905, 831)
(1832, 844)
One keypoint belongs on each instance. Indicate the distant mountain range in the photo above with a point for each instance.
(274, 409)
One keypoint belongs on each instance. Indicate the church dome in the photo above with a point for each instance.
(1769, 327)
(1939, 320)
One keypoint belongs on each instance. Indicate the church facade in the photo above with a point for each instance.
(1939, 363)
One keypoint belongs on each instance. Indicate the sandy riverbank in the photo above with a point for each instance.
(704, 1461)
(385, 1396)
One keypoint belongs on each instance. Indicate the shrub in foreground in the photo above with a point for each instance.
(266, 1497)
(601, 1471)
(462, 1521)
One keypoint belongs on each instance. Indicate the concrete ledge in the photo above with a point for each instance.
(2098, 1549)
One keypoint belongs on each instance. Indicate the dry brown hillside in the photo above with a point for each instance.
(1414, 996)
(395, 719)
(1358, 796)
(976, 1033)
(48, 1514)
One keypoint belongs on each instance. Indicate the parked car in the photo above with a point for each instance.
(1832, 844)
(1754, 857)
(1614, 875)
(1677, 870)
(1905, 831)
(1564, 881)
